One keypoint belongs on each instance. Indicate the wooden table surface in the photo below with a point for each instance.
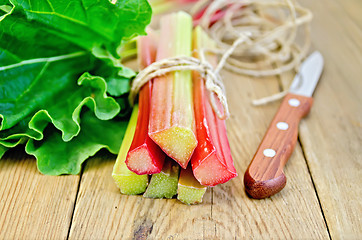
(322, 198)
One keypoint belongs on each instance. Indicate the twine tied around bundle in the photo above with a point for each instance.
(213, 81)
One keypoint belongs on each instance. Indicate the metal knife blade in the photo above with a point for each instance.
(265, 176)
(306, 80)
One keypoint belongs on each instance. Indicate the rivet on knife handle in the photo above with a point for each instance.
(265, 176)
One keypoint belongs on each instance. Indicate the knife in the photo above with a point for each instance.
(265, 176)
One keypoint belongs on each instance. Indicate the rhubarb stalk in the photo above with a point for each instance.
(211, 162)
(145, 156)
(189, 190)
(128, 182)
(164, 184)
(172, 123)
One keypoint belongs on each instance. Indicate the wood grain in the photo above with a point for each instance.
(103, 213)
(33, 206)
(332, 133)
(352, 9)
(267, 217)
(226, 212)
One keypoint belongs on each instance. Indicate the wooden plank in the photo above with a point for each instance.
(32, 205)
(101, 212)
(292, 213)
(332, 133)
(353, 9)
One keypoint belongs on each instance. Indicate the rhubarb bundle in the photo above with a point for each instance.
(174, 135)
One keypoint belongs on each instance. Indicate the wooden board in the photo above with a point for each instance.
(352, 9)
(332, 133)
(34, 206)
(320, 201)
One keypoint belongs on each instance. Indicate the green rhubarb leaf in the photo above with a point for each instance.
(2, 150)
(64, 115)
(92, 93)
(110, 134)
(31, 85)
(21, 132)
(114, 81)
(33, 55)
(118, 79)
(57, 157)
(47, 48)
(87, 23)
(29, 39)
(118, 83)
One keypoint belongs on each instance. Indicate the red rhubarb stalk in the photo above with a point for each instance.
(144, 156)
(219, 14)
(211, 162)
(172, 122)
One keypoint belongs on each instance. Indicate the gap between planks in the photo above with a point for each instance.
(75, 199)
(315, 189)
(282, 87)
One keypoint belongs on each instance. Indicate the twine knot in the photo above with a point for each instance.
(213, 81)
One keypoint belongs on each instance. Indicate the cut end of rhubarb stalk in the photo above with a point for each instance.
(131, 185)
(128, 182)
(141, 160)
(177, 142)
(164, 184)
(212, 171)
(189, 190)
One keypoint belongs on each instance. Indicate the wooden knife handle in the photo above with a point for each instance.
(265, 176)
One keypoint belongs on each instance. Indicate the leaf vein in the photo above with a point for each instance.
(59, 15)
(39, 60)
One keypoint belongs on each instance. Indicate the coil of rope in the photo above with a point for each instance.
(254, 33)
